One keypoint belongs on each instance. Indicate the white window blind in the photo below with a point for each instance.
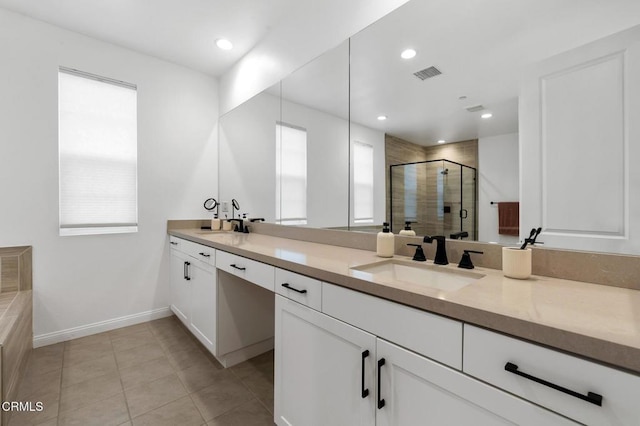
(291, 175)
(362, 182)
(410, 193)
(97, 145)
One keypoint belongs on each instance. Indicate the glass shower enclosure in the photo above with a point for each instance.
(437, 196)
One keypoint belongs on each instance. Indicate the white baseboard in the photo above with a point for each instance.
(99, 327)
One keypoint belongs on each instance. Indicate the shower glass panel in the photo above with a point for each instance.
(438, 197)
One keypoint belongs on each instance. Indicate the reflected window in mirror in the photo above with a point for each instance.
(362, 182)
(410, 193)
(291, 174)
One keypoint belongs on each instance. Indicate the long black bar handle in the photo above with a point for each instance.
(204, 254)
(238, 267)
(591, 397)
(381, 402)
(365, 392)
(286, 285)
(186, 268)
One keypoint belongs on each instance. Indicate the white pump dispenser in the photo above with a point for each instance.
(385, 244)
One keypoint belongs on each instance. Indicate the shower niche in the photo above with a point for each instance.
(438, 197)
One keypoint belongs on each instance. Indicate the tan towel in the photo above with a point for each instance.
(509, 218)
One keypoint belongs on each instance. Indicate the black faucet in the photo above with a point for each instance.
(239, 226)
(441, 251)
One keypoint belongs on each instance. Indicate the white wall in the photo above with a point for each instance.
(84, 280)
(498, 180)
(311, 29)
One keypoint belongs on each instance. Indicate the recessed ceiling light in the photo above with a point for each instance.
(224, 44)
(382, 117)
(408, 54)
(487, 115)
(441, 141)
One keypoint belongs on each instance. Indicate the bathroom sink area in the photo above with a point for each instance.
(428, 275)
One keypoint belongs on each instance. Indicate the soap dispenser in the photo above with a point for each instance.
(215, 222)
(385, 246)
(407, 231)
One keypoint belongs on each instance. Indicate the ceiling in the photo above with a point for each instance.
(182, 32)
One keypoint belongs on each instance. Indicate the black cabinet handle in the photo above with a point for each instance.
(365, 392)
(286, 285)
(204, 254)
(186, 271)
(381, 402)
(173, 243)
(238, 267)
(591, 397)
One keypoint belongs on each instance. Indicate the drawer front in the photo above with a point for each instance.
(486, 355)
(250, 270)
(304, 290)
(195, 250)
(433, 336)
(178, 244)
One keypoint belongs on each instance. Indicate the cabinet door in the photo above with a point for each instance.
(324, 369)
(180, 285)
(414, 390)
(203, 304)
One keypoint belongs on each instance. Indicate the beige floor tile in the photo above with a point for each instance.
(43, 362)
(125, 424)
(260, 364)
(90, 391)
(50, 422)
(107, 412)
(27, 418)
(33, 387)
(261, 385)
(133, 340)
(181, 412)
(225, 394)
(74, 373)
(188, 358)
(150, 396)
(251, 413)
(177, 343)
(55, 349)
(118, 332)
(199, 376)
(146, 372)
(86, 352)
(87, 340)
(138, 355)
(168, 330)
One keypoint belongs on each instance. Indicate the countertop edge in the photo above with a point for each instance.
(600, 350)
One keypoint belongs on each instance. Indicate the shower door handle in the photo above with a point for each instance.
(464, 213)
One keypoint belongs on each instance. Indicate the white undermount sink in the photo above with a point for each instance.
(428, 275)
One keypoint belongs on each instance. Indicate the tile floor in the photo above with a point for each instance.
(154, 373)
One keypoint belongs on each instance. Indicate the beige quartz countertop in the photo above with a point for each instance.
(595, 321)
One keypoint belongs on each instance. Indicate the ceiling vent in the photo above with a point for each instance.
(474, 108)
(427, 73)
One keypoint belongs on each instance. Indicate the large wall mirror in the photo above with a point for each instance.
(372, 120)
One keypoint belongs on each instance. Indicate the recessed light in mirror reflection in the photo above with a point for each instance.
(382, 117)
(408, 54)
(441, 141)
(486, 115)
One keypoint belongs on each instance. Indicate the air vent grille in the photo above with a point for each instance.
(427, 73)
(474, 108)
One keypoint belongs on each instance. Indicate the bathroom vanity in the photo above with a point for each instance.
(354, 347)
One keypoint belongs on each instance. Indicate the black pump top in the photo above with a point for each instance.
(407, 226)
(385, 227)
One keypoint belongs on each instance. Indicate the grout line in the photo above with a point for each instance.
(126, 403)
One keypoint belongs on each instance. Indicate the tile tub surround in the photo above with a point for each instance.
(595, 321)
(15, 268)
(152, 373)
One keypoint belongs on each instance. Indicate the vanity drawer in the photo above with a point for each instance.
(487, 353)
(304, 290)
(195, 250)
(431, 335)
(250, 270)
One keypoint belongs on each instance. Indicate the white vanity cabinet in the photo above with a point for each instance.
(194, 289)
(324, 369)
(331, 371)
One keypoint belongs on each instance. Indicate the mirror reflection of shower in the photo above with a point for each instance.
(439, 196)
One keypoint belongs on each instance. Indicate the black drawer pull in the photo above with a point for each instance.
(591, 397)
(238, 267)
(365, 392)
(173, 243)
(186, 271)
(286, 285)
(381, 402)
(204, 254)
